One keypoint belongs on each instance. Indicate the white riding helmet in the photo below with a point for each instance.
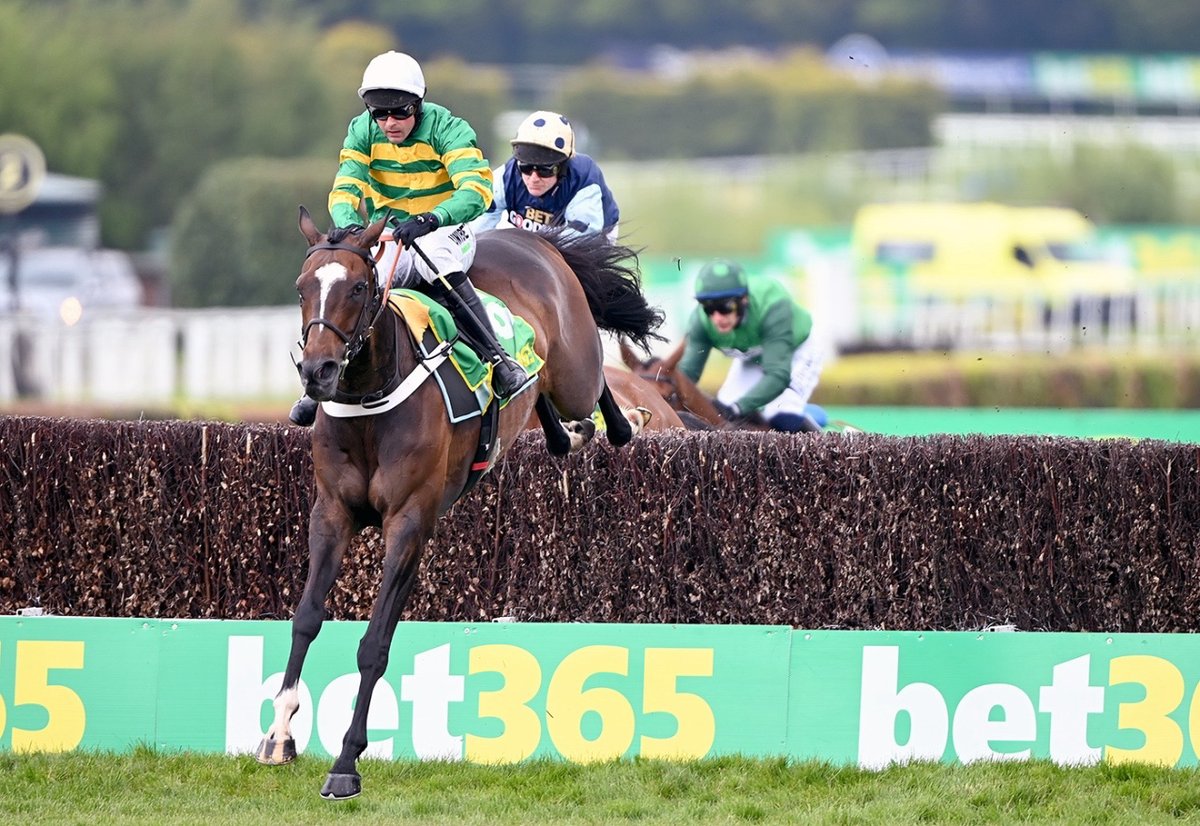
(544, 138)
(393, 71)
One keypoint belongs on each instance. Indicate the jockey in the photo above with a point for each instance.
(776, 362)
(547, 183)
(413, 161)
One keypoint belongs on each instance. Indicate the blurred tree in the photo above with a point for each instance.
(59, 88)
(245, 251)
(342, 53)
(1111, 185)
(1122, 185)
(184, 110)
(574, 31)
(751, 106)
(147, 95)
(476, 94)
(1155, 25)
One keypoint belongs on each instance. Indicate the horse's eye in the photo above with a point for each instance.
(360, 287)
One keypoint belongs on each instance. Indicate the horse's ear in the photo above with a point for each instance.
(628, 356)
(370, 235)
(308, 228)
(675, 355)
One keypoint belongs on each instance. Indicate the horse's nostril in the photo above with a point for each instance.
(327, 371)
(320, 378)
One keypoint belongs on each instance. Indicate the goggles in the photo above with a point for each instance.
(720, 306)
(542, 170)
(398, 112)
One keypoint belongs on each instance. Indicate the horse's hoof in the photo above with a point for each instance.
(621, 433)
(638, 418)
(580, 432)
(342, 786)
(272, 752)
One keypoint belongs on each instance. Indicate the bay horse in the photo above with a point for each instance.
(680, 392)
(638, 399)
(693, 405)
(402, 468)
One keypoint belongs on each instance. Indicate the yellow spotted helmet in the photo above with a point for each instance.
(544, 138)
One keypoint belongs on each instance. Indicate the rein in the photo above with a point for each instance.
(660, 376)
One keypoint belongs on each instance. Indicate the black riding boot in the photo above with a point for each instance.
(507, 376)
(304, 412)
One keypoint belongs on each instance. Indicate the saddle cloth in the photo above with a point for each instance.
(464, 378)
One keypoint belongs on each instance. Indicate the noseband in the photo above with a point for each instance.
(367, 316)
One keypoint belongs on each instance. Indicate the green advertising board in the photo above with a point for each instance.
(505, 692)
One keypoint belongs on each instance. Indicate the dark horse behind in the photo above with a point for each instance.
(695, 408)
(402, 468)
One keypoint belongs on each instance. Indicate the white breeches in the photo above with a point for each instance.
(451, 249)
(806, 372)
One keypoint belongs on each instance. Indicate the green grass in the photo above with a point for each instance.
(158, 788)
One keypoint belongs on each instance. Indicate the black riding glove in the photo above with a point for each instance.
(408, 231)
(729, 412)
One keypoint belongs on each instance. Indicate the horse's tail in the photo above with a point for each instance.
(612, 283)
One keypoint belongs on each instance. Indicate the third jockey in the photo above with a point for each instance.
(546, 183)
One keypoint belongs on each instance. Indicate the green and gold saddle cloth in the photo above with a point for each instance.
(464, 378)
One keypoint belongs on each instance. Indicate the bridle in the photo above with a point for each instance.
(667, 377)
(653, 371)
(367, 316)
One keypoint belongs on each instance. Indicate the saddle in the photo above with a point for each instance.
(464, 377)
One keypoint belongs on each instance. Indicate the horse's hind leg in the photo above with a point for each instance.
(558, 441)
(618, 428)
(329, 532)
(563, 437)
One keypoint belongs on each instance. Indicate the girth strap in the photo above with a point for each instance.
(485, 450)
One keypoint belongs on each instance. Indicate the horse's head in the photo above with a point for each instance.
(680, 392)
(659, 372)
(339, 299)
(676, 388)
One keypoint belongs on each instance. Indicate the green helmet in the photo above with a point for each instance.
(721, 279)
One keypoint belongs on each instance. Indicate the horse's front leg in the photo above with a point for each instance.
(329, 532)
(405, 535)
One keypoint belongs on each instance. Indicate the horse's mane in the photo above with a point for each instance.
(338, 234)
(693, 422)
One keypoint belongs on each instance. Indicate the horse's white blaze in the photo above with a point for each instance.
(328, 275)
(286, 704)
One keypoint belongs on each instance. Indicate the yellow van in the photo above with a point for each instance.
(983, 250)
